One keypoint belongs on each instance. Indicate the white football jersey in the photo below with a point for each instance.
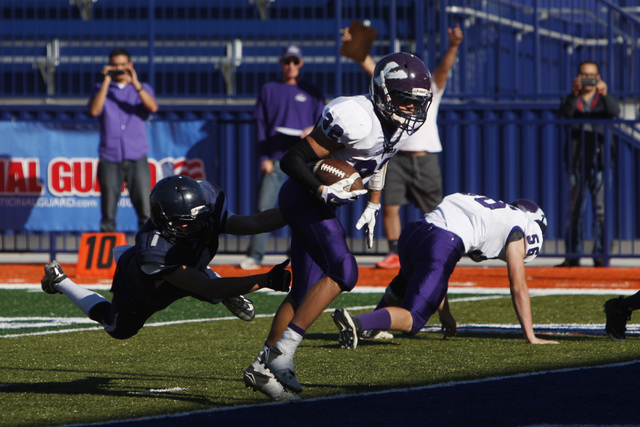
(485, 225)
(352, 122)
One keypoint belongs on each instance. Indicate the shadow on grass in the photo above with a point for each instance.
(114, 386)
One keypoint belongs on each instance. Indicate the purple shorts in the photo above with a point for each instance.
(318, 242)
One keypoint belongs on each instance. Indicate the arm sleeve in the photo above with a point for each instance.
(568, 106)
(611, 106)
(294, 164)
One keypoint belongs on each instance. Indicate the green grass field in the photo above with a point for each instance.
(86, 376)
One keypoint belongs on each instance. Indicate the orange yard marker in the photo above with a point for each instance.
(95, 256)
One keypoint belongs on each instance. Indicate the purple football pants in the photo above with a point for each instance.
(428, 255)
(318, 242)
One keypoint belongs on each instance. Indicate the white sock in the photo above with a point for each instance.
(289, 341)
(83, 298)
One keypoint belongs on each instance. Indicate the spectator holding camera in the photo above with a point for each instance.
(584, 151)
(122, 103)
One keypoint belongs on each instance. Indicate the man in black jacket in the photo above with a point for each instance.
(584, 157)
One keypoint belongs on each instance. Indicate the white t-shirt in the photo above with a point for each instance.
(427, 138)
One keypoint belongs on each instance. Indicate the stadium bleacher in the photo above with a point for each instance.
(208, 59)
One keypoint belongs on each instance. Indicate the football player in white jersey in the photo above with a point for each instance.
(365, 131)
(429, 249)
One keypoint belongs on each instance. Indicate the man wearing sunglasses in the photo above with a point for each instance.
(285, 113)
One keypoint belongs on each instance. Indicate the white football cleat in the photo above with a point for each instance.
(282, 367)
(376, 334)
(261, 379)
(241, 307)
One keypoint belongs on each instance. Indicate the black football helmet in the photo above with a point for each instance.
(533, 211)
(181, 210)
(401, 80)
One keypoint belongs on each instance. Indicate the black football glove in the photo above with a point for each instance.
(279, 278)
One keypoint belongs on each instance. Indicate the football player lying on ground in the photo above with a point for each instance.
(170, 260)
(429, 250)
(618, 311)
(365, 131)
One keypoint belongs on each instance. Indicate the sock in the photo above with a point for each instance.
(393, 246)
(378, 319)
(290, 339)
(631, 302)
(83, 298)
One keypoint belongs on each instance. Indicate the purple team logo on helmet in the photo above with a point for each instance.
(401, 90)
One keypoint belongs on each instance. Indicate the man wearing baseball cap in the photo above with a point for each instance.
(285, 113)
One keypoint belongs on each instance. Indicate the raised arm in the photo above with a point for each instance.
(440, 74)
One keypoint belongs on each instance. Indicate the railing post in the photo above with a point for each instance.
(151, 44)
(338, 37)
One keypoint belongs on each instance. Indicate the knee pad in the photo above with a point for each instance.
(120, 328)
(345, 273)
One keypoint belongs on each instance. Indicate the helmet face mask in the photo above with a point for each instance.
(180, 209)
(401, 90)
(533, 211)
(188, 226)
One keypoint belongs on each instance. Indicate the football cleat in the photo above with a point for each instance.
(616, 319)
(282, 367)
(261, 379)
(376, 334)
(349, 328)
(52, 274)
(241, 307)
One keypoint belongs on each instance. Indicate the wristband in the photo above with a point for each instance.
(141, 89)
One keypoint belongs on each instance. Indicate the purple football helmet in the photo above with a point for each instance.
(533, 211)
(401, 80)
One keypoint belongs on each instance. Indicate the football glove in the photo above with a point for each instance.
(279, 278)
(368, 217)
(336, 195)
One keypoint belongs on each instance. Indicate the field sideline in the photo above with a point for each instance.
(620, 278)
(484, 376)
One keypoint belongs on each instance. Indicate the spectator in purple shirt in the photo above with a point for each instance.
(285, 113)
(122, 104)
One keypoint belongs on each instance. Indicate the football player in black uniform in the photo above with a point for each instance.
(170, 260)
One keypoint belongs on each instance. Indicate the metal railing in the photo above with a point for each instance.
(228, 49)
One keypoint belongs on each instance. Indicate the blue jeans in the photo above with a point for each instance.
(111, 176)
(267, 199)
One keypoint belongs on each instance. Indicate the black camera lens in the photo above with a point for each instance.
(114, 73)
(589, 81)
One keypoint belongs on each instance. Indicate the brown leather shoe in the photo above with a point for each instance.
(569, 263)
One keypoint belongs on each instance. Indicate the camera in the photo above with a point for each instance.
(588, 81)
(114, 73)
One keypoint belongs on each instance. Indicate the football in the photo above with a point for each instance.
(330, 171)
